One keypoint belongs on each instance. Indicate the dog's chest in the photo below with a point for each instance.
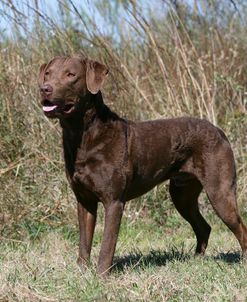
(82, 181)
(97, 174)
(86, 175)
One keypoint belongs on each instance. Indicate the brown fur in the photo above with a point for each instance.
(112, 160)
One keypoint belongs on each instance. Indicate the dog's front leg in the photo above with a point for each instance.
(113, 215)
(87, 219)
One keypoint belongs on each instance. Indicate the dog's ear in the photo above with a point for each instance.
(95, 75)
(41, 74)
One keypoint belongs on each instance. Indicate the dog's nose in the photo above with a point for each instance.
(46, 89)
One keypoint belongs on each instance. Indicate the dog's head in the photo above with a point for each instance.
(64, 81)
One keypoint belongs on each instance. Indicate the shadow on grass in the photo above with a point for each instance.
(154, 258)
(160, 258)
(230, 257)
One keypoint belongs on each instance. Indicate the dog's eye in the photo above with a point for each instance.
(70, 74)
(47, 73)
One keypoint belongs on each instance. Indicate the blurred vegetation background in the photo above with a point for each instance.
(166, 58)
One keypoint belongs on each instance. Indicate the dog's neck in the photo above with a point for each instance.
(90, 110)
(90, 107)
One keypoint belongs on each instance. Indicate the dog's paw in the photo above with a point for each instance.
(82, 264)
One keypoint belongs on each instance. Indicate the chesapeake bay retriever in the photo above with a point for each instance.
(111, 160)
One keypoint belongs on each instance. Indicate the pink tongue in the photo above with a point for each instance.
(49, 108)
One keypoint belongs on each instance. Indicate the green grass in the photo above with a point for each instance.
(152, 263)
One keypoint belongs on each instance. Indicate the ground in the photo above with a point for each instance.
(154, 263)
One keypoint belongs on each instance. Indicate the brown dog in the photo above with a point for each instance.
(112, 160)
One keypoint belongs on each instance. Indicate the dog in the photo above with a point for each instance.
(111, 160)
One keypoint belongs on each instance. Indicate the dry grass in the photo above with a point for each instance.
(168, 65)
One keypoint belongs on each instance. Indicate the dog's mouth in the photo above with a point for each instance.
(53, 109)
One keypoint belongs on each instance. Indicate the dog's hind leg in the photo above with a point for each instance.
(184, 195)
(219, 182)
(223, 199)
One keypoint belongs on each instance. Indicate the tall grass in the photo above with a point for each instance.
(164, 61)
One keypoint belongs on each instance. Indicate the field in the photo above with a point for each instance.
(153, 264)
(165, 59)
